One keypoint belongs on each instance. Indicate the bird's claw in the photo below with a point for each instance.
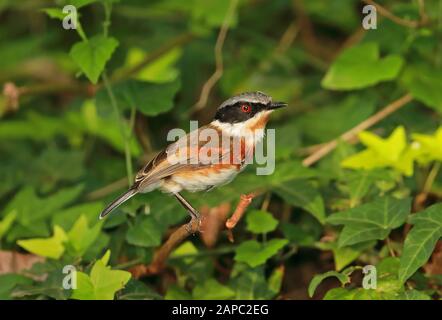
(189, 226)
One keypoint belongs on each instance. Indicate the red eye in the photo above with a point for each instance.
(246, 108)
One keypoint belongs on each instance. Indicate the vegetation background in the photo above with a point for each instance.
(358, 151)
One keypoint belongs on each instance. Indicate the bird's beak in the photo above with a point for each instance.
(276, 105)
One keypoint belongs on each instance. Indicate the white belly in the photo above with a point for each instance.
(199, 181)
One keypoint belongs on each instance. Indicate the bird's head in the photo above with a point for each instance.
(248, 110)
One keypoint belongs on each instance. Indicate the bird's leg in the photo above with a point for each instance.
(192, 211)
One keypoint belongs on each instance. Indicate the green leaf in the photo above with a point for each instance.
(6, 222)
(212, 290)
(52, 247)
(9, 281)
(176, 293)
(340, 294)
(66, 218)
(102, 283)
(343, 256)
(259, 221)
(254, 253)
(275, 280)
(145, 233)
(421, 240)
(371, 221)
(342, 277)
(300, 193)
(81, 237)
(424, 83)
(55, 13)
(428, 147)
(360, 66)
(31, 208)
(161, 70)
(92, 55)
(251, 284)
(391, 152)
(211, 13)
(147, 97)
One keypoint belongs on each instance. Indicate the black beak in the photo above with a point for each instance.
(276, 105)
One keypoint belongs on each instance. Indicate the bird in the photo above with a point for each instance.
(240, 120)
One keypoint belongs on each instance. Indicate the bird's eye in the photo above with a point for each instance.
(246, 108)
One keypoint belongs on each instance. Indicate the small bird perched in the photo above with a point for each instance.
(241, 118)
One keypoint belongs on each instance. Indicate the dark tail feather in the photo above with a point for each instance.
(124, 197)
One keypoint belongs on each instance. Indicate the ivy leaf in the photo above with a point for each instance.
(102, 283)
(344, 255)
(371, 221)
(145, 233)
(9, 281)
(31, 208)
(390, 152)
(6, 222)
(424, 84)
(92, 55)
(343, 277)
(212, 290)
(149, 98)
(52, 247)
(81, 237)
(259, 221)
(66, 218)
(251, 284)
(360, 66)
(300, 193)
(161, 70)
(429, 147)
(254, 253)
(421, 240)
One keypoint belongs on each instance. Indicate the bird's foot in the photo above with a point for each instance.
(194, 225)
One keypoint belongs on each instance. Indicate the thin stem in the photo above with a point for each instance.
(107, 17)
(390, 247)
(219, 69)
(431, 177)
(389, 15)
(353, 132)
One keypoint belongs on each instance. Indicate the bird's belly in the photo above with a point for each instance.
(202, 179)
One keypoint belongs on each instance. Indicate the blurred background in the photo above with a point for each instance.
(83, 109)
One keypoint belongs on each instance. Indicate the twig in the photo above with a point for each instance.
(110, 188)
(219, 67)
(389, 15)
(353, 132)
(243, 204)
(163, 253)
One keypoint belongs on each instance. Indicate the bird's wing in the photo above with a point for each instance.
(184, 154)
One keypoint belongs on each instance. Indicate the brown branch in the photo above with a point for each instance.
(352, 133)
(219, 66)
(163, 253)
(389, 15)
(244, 202)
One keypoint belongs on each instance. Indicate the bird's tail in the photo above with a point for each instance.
(124, 197)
